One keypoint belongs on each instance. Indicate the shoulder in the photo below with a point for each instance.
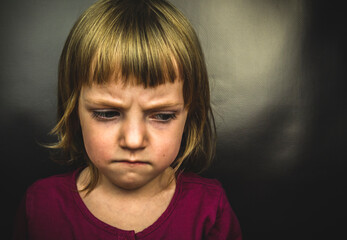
(209, 193)
(52, 184)
(192, 181)
(205, 205)
(195, 178)
(47, 198)
(50, 192)
(51, 205)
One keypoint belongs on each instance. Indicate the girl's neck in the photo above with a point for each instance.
(128, 210)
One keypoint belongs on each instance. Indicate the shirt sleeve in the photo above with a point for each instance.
(226, 226)
(20, 230)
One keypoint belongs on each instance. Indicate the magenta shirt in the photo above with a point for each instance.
(53, 209)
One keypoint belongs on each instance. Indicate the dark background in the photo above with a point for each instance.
(277, 71)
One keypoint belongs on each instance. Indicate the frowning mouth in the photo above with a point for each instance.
(130, 162)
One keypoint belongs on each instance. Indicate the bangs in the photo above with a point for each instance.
(133, 43)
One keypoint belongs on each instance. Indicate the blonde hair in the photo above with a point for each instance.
(150, 40)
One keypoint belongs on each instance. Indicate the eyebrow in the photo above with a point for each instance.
(101, 102)
(152, 107)
(162, 106)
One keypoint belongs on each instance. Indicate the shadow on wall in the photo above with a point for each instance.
(284, 171)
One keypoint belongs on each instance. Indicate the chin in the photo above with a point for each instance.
(130, 186)
(129, 182)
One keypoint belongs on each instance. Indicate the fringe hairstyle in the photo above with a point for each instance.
(150, 40)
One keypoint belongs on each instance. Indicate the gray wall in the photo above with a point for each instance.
(277, 76)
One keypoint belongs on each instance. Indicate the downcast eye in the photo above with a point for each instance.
(164, 117)
(105, 115)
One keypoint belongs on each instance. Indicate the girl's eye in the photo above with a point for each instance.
(164, 117)
(106, 115)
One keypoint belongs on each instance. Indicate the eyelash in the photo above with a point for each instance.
(105, 115)
(111, 115)
(165, 117)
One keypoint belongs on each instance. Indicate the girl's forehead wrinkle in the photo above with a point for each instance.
(165, 95)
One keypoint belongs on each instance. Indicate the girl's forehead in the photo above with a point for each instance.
(169, 94)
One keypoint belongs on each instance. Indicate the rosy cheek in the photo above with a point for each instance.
(96, 146)
(96, 153)
(168, 149)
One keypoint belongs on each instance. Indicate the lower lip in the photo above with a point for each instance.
(133, 163)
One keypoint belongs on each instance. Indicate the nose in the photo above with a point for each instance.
(133, 134)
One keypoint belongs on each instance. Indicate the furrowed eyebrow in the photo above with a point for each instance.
(161, 106)
(150, 107)
(103, 103)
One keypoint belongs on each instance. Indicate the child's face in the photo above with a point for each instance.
(132, 134)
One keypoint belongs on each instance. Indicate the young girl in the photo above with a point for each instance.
(134, 113)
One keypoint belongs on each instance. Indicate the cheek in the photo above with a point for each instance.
(167, 147)
(171, 142)
(97, 143)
